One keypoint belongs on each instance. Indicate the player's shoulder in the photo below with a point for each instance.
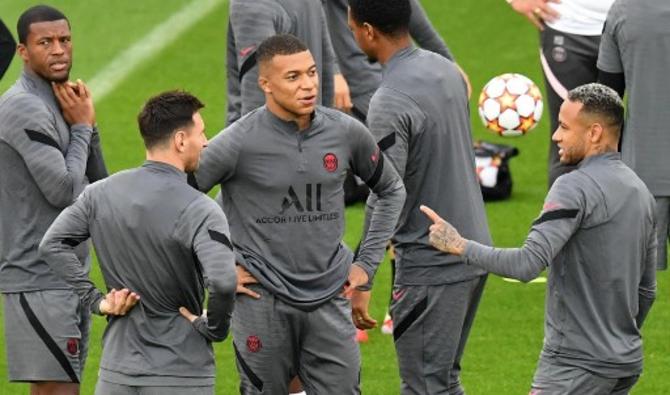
(20, 103)
(336, 119)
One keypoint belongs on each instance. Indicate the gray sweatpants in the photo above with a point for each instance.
(274, 342)
(431, 327)
(554, 378)
(107, 388)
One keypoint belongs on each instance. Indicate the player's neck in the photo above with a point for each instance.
(165, 157)
(392, 45)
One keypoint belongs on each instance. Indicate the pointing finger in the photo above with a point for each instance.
(432, 215)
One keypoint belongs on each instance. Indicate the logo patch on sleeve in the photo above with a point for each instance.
(330, 162)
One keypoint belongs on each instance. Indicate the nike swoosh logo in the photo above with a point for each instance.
(245, 51)
(397, 294)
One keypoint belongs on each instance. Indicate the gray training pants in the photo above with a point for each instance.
(274, 342)
(431, 327)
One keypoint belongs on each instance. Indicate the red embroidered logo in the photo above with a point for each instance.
(245, 51)
(73, 346)
(254, 343)
(330, 162)
(551, 206)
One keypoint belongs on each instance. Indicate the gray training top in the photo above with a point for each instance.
(596, 235)
(636, 42)
(363, 76)
(250, 23)
(44, 165)
(156, 236)
(420, 118)
(283, 193)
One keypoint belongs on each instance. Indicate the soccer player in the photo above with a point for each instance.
(49, 150)
(156, 235)
(420, 119)
(569, 38)
(7, 48)
(363, 78)
(250, 22)
(281, 168)
(596, 236)
(630, 59)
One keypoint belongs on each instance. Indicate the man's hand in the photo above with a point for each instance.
(118, 302)
(75, 101)
(443, 236)
(357, 277)
(359, 310)
(536, 11)
(342, 94)
(186, 313)
(244, 278)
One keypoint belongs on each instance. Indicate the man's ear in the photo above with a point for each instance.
(370, 31)
(596, 131)
(178, 140)
(22, 51)
(264, 84)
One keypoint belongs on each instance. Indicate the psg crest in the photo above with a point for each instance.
(330, 162)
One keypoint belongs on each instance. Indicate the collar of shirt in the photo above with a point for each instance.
(41, 87)
(291, 127)
(600, 157)
(398, 56)
(164, 168)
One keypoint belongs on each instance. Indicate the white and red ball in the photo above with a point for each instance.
(510, 105)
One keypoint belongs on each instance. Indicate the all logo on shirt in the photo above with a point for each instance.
(254, 343)
(330, 162)
(246, 51)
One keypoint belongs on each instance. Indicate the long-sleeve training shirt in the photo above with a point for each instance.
(420, 119)
(44, 165)
(362, 75)
(596, 236)
(283, 192)
(251, 22)
(162, 239)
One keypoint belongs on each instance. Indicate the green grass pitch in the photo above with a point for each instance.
(487, 38)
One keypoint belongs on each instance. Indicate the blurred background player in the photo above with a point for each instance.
(49, 150)
(569, 38)
(595, 235)
(363, 77)
(633, 58)
(250, 22)
(7, 48)
(281, 169)
(163, 249)
(420, 119)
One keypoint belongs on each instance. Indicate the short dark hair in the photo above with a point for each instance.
(600, 100)
(36, 14)
(280, 44)
(164, 114)
(390, 17)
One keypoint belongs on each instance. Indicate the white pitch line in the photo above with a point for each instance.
(107, 79)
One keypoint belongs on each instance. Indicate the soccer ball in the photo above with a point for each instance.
(510, 105)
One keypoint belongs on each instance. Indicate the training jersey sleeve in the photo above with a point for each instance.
(95, 166)
(204, 229)
(218, 160)
(368, 163)
(330, 65)
(234, 104)
(647, 287)
(252, 23)
(7, 48)
(609, 54)
(564, 209)
(423, 32)
(57, 249)
(59, 176)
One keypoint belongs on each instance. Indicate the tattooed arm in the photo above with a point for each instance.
(443, 235)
